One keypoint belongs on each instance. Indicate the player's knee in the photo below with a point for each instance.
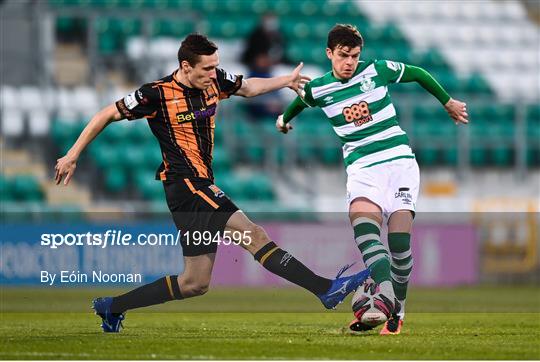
(194, 288)
(258, 236)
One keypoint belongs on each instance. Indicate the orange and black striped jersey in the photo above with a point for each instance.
(183, 121)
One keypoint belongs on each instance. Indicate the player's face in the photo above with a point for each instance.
(200, 76)
(344, 61)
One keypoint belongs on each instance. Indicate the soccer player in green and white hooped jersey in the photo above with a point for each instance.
(382, 173)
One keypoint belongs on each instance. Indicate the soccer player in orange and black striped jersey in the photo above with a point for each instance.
(180, 110)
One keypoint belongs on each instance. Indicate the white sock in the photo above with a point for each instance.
(387, 290)
(401, 312)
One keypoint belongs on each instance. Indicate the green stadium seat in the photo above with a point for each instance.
(293, 28)
(66, 24)
(27, 188)
(450, 156)
(502, 156)
(478, 157)
(254, 152)
(221, 161)
(430, 114)
(533, 157)
(65, 133)
(134, 155)
(232, 186)
(427, 156)
(6, 189)
(331, 155)
(260, 6)
(307, 152)
(180, 4)
(148, 186)
(259, 187)
(139, 132)
(116, 133)
(173, 28)
(107, 156)
(115, 179)
(476, 85)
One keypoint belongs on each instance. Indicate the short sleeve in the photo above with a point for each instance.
(227, 83)
(139, 104)
(390, 71)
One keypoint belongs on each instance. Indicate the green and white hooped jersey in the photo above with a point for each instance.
(362, 113)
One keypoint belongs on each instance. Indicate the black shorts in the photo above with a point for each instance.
(197, 205)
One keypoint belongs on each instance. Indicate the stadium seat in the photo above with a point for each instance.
(221, 161)
(501, 156)
(12, 122)
(6, 189)
(476, 84)
(107, 156)
(148, 186)
(427, 156)
(478, 157)
(331, 155)
(116, 179)
(450, 156)
(174, 28)
(27, 188)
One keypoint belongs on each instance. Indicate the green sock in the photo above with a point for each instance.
(402, 262)
(367, 234)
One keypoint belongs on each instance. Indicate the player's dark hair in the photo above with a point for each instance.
(344, 35)
(193, 46)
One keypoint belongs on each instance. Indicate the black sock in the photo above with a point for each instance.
(281, 263)
(160, 291)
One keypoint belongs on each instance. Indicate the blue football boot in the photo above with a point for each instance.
(111, 322)
(342, 287)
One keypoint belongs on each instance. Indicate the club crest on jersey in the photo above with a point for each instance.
(367, 84)
(216, 190)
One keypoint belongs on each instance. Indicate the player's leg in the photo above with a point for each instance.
(405, 185)
(285, 265)
(194, 281)
(399, 243)
(366, 219)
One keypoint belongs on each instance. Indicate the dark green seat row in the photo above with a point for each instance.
(20, 188)
(280, 7)
(480, 157)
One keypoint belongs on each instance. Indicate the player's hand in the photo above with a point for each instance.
(65, 166)
(298, 81)
(457, 111)
(282, 126)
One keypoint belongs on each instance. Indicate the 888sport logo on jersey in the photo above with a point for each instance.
(358, 113)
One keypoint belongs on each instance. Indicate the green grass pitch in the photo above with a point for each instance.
(463, 323)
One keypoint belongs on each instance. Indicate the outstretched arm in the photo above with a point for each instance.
(66, 165)
(456, 109)
(252, 87)
(282, 122)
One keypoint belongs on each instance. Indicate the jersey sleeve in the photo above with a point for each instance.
(227, 83)
(139, 104)
(308, 96)
(389, 70)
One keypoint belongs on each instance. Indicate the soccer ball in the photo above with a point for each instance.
(370, 307)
